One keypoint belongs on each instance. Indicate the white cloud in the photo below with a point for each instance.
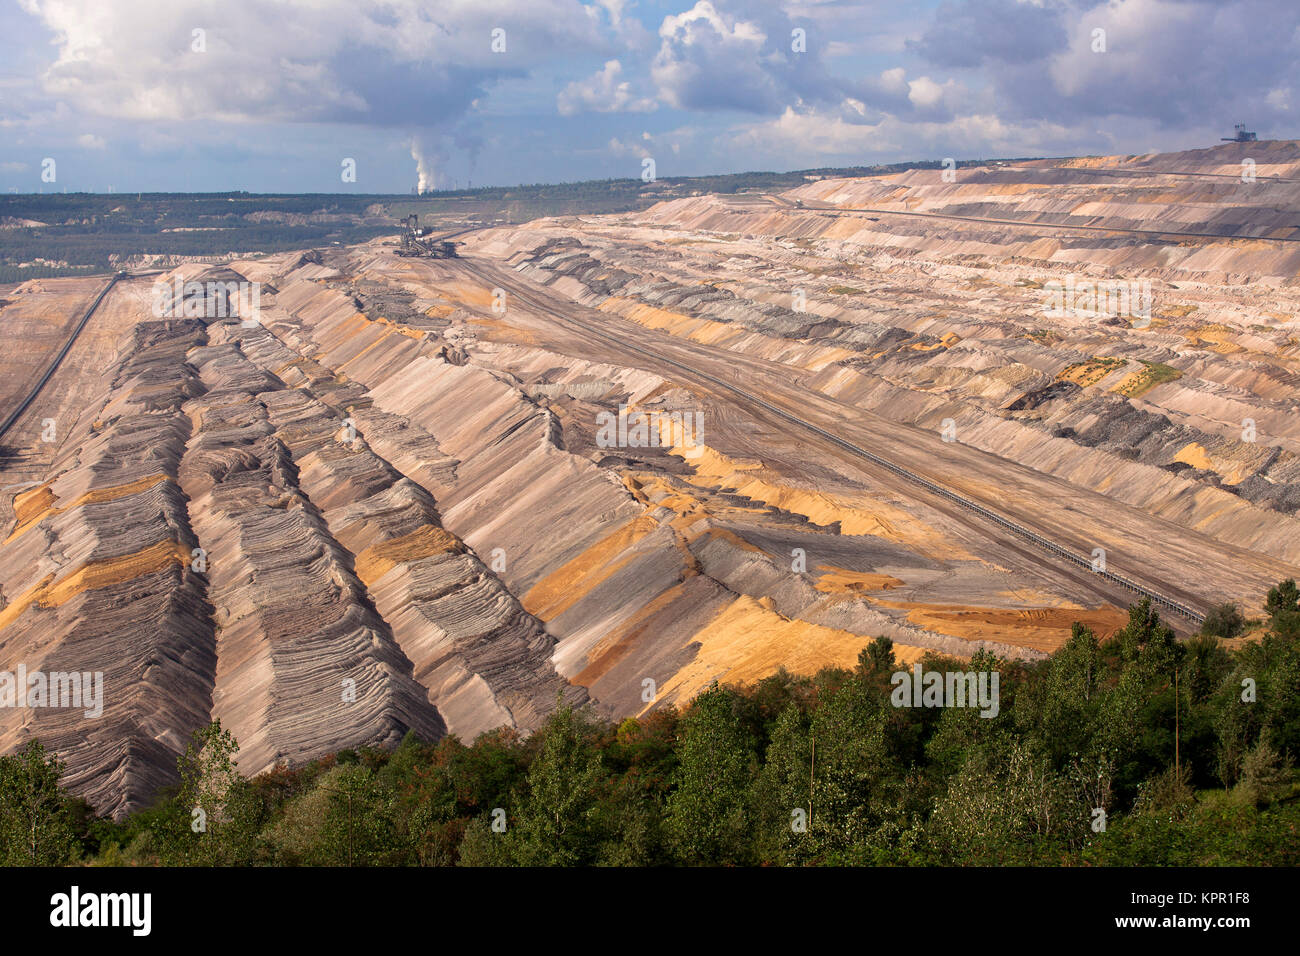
(810, 137)
(810, 133)
(605, 91)
(926, 94)
(987, 77)
(381, 62)
(615, 10)
(708, 60)
(894, 81)
(629, 147)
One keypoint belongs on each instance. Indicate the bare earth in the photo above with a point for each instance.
(384, 508)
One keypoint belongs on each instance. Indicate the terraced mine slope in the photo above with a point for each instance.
(390, 503)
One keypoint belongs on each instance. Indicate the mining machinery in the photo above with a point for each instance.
(415, 242)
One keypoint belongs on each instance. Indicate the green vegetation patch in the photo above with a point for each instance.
(1154, 373)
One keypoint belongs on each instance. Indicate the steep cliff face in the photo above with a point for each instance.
(96, 579)
(215, 538)
(303, 658)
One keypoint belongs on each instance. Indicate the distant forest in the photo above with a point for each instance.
(90, 233)
(1137, 750)
(93, 232)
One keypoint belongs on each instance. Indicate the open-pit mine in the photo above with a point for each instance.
(962, 409)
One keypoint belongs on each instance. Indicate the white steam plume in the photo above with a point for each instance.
(423, 166)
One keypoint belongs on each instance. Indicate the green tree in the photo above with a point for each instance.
(216, 816)
(1225, 621)
(783, 790)
(850, 768)
(1068, 699)
(1006, 806)
(630, 821)
(35, 813)
(1259, 697)
(482, 846)
(486, 774)
(348, 818)
(1283, 604)
(1284, 597)
(878, 658)
(708, 820)
(555, 826)
(1206, 665)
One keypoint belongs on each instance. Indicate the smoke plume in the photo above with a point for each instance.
(423, 166)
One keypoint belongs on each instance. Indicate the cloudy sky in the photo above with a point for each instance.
(274, 95)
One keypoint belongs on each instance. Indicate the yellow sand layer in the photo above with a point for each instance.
(378, 559)
(496, 330)
(386, 327)
(948, 341)
(93, 575)
(665, 495)
(621, 641)
(704, 331)
(32, 507)
(878, 518)
(1199, 457)
(400, 328)
(732, 539)
(467, 292)
(301, 363)
(1043, 629)
(1194, 455)
(749, 641)
(708, 332)
(565, 586)
(838, 581)
(1035, 596)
